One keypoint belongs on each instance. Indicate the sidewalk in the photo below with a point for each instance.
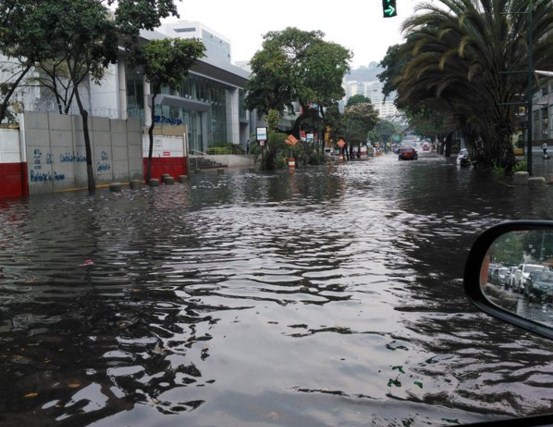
(540, 166)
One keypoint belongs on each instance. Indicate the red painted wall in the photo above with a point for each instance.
(13, 180)
(174, 166)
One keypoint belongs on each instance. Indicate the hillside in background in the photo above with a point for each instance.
(365, 74)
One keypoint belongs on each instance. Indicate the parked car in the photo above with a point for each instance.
(539, 285)
(503, 276)
(485, 298)
(407, 153)
(522, 273)
(511, 278)
(492, 273)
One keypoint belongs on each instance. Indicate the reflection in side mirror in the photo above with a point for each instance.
(509, 274)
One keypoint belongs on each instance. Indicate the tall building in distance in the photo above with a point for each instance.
(364, 81)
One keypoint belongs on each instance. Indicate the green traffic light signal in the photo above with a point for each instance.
(389, 8)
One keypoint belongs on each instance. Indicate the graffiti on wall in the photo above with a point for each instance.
(104, 165)
(38, 176)
(46, 176)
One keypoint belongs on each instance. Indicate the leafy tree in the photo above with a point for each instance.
(87, 42)
(165, 63)
(335, 122)
(383, 131)
(25, 38)
(462, 59)
(357, 99)
(509, 249)
(297, 66)
(360, 118)
(83, 35)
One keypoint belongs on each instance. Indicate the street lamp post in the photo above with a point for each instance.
(529, 91)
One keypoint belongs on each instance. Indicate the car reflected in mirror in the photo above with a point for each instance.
(509, 274)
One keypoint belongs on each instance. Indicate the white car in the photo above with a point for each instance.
(521, 275)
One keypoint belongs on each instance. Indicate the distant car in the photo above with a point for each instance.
(492, 273)
(539, 286)
(463, 158)
(503, 276)
(426, 146)
(407, 153)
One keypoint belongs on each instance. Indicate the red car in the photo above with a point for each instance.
(407, 153)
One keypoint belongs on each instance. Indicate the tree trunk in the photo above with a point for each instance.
(87, 145)
(151, 137)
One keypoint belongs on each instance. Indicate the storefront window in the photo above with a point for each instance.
(195, 88)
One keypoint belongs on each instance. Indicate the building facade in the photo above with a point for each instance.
(207, 111)
(543, 111)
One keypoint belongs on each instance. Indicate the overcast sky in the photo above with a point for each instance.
(356, 25)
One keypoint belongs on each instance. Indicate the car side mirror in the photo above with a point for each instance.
(526, 299)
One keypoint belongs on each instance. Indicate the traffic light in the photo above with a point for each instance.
(389, 8)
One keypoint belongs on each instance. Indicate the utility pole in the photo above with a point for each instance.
(530, 93)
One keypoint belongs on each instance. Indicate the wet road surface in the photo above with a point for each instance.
(328, 296)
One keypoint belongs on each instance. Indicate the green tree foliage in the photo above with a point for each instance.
(131, 16)
(360, 117)
(165, 63)
(86, 40)
(357, 99)
(335, 122)
(296, 66)
(84, 35)
(463, 59)
(383, 131)
(25, 38)
(274, 153)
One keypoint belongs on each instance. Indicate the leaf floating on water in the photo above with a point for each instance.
(398, 368)
(31, 395)
(395, 382)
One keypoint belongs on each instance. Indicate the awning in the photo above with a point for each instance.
(179, 101)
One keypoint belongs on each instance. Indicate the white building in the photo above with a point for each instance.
(210, 102)
(372, 90)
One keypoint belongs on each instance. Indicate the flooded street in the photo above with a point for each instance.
(330, 296)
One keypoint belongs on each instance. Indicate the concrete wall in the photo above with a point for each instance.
(56, 152)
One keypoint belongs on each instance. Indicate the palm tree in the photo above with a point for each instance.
(469, 58)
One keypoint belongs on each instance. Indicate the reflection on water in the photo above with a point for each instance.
(327, 296)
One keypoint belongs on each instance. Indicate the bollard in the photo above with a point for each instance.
(154, 182)
(520, 178)
(135, 184)
(183, 178)
(537, 182)
(168, 180)
(116, 186)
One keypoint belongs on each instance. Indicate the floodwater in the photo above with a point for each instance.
(330, 296)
